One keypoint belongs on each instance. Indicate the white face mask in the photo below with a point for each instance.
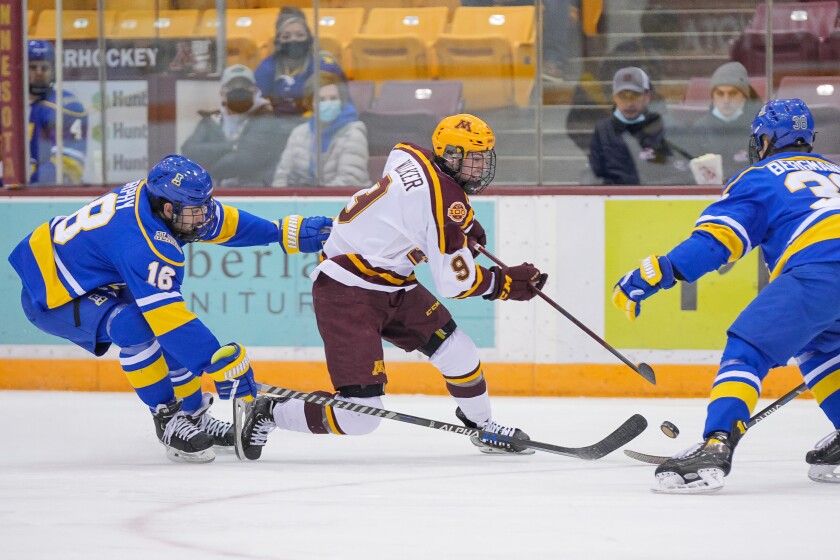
(733, 117)
(329, 110)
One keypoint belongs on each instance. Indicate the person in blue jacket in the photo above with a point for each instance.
(43, 107)
(111, 273)
(787, 201)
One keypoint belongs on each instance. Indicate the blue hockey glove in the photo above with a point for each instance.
(655, 273)
(305, 235)
(231, 369)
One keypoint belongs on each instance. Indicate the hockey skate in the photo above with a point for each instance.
(184, 442)
(493, 446)
(258, 424)
(699, 469)
(219, 430)
(825, 459)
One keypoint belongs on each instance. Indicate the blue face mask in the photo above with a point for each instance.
(329, 110)
(733, 117)
(617, 114)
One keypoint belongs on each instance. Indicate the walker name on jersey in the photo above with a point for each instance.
(409, 175)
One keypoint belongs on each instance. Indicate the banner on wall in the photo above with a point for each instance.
(254, 295)
(691, 316)
(125, 131)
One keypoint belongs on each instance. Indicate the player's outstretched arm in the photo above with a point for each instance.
(655, 273)
(304, 235)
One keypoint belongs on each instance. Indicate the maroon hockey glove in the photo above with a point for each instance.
(517, 283)
(476, 233)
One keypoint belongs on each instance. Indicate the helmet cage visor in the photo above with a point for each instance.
(191, 223)
(473, 170)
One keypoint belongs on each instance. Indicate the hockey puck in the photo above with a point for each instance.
(669, 429)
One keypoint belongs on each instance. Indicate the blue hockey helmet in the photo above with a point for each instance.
(189, 188)
(786, 122)
(41, 50)
(37, 51)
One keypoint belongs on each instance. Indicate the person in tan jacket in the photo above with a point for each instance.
(343, 147)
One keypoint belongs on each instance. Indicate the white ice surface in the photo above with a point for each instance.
(83, 476)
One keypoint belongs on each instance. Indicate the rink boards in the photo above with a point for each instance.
(261, 298)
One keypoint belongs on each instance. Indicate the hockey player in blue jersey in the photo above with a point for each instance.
(43, 105)
(788, 203)
(111, 273)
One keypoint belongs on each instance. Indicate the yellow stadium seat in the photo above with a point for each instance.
(169, 24)
(30, 17)
(250, 33)
(490, 49)
(336, 28)
(397, 44)
(75, 24)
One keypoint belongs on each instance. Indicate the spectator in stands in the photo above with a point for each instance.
(561, 31)
(282, 75)
(629, 147)
(343, 147)
(734, 103)
(43, 105)
(239, 144)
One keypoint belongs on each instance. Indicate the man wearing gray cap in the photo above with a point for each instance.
(734, 103)
(632, 137)
(239, 143)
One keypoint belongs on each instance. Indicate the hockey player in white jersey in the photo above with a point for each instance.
(365, 289)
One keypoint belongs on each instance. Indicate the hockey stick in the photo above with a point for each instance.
(634, 426)
(758, 417)
(642, 369)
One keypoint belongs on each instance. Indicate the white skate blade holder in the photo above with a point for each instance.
(709, 480)
(824, 473)
(206, 456)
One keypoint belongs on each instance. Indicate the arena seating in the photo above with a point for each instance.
(336, 28)
(75, 24)
(397, 44)
(165, 24)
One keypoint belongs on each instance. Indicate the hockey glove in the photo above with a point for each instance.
(476, 233)
(641, 283)
(305, 235)
(516, 283)
(231, 369)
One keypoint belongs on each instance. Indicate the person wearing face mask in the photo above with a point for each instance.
(629, 147)
(343, 145)
(733, 105)
(239, 143)
(282, 75)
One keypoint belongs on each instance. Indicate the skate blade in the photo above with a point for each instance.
(711, 480)
(824, 473)
(241, 408)
(176, 456)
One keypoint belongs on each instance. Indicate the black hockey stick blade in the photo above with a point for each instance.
(756, 418)
(634, 426)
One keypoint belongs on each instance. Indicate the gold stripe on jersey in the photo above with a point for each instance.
(148, 375)
(143, 229)
(795, 158)
(735, 389)
(332, 422)
(40, 243)
(230, 223)
(468, 220)
(479, 276)
(64, 109)
(467, 378)
(188, 388)
(168, 317)
(726, 236)
(437, 195)
(390, 278)
(823, 230)
(826, 386)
